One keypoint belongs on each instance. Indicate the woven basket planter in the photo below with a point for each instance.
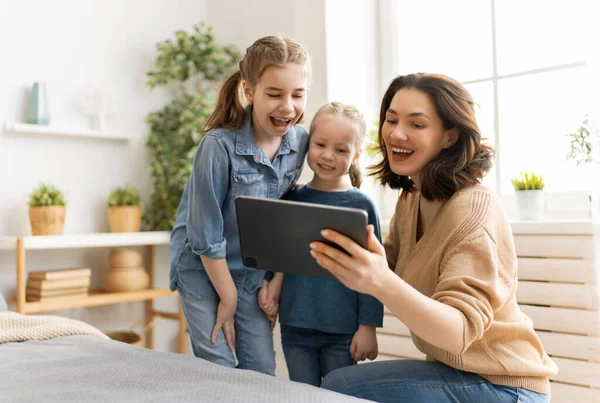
(47, 220)
(125, 219)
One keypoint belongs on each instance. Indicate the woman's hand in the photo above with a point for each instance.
(365, 270)
(364, 344)
(225, 321)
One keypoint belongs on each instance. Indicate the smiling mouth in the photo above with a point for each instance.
(401, 151)
(326, 167)
(280, 122)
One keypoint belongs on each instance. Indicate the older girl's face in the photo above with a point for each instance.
(413, 133)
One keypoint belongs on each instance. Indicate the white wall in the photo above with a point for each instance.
(243, 22)
(301, 20)
(75, 46)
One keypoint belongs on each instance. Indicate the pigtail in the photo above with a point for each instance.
(355, 174)
(229, 111)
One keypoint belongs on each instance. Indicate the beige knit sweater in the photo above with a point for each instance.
(467, 260)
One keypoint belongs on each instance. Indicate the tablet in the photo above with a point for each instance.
(275, 234)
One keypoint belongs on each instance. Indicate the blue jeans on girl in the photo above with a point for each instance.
(311, 354)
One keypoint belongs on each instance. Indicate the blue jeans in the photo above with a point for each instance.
(422, 381)
(311, 354)
(253, 337)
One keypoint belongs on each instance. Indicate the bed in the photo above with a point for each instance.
(52, 359)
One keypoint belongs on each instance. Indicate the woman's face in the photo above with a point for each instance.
(413, 133)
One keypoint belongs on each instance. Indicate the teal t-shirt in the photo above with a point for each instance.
(327, 305)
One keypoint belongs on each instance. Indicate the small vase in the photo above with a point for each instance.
(38, 111)
(126, 279)
(532, 204)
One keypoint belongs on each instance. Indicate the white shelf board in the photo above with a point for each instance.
(25, 128)
(92, 240)
(553, 227)
(549, 227)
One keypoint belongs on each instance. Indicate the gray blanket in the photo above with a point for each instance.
(91, 369)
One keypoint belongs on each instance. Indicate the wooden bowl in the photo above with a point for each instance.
(126, 337)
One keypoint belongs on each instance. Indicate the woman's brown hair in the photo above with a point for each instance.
(460, 166)
(265, 52)
(353, 115)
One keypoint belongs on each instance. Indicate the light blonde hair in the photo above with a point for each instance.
(264, 52)
(353, 115)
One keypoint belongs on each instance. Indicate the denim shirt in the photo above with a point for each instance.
(227, 164)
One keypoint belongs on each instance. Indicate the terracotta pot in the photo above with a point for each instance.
(122, 258)
(126, 279)
(47, 220)
(125, 219)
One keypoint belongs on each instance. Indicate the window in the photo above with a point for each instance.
(526, 63)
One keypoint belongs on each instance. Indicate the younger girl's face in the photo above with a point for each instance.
(413, 133)
(332, 147)
(278, 99)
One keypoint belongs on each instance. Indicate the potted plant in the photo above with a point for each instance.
(582, 143)
(124, 209)
(529, 188)
(46, 210)
(193, 65)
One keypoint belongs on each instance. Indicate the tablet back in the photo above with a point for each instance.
(275, 234)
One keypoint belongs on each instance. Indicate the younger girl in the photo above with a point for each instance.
(255, 151)
(324, 325)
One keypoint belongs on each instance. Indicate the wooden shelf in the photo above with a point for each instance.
(92, 240)
(96, 298)
(25, 128)
(21, 244)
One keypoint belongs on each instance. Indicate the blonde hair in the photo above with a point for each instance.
(264, 52)
(352, 114)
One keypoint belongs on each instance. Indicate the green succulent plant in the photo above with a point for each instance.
(46, 195)
(528, 181)
(194, 65)
(124, 196)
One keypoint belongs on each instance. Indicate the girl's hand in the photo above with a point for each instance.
(268, 301)
(225, 321)
(365, 270)
(364, 344)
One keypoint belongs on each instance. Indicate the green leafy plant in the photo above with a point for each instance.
(125, 196)
(194, 65)
(372, 148)
(46, 195)
(528, 181)
(581, 143)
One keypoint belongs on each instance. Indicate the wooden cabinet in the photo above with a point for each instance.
(96, 297)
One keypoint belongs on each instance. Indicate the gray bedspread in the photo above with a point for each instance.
(90, 369)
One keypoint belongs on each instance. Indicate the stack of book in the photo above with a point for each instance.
(45, 285)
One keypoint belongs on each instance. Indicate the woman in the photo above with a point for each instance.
(451, 251)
